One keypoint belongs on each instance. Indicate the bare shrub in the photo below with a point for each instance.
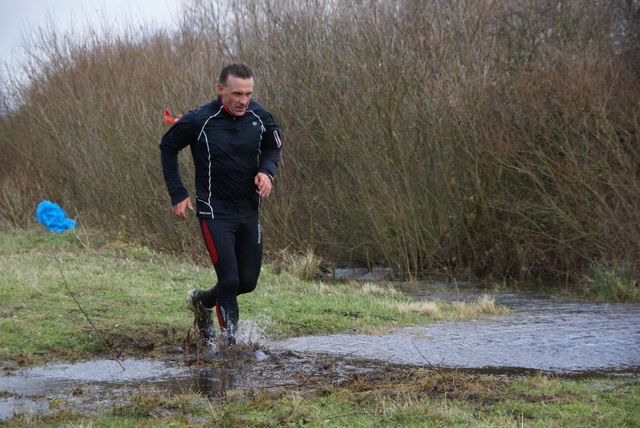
(492, 137)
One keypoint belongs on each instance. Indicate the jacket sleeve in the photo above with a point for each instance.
(270, 148)
(177, 138)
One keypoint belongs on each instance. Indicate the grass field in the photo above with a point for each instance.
(134, 298)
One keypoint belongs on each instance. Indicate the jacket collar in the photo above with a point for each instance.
(224, 107)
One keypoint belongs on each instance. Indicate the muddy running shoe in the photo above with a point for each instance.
(203, 321)
(231, 340)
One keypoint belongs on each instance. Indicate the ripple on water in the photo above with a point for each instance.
(542, 334)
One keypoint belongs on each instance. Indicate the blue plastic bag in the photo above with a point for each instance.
(53, 217)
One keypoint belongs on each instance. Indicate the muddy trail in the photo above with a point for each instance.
(541, 335)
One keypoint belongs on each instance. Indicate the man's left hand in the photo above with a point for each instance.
(263, 183)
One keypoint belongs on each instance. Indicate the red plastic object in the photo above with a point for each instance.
(168, 118)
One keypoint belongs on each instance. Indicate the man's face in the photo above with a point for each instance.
(236, 94)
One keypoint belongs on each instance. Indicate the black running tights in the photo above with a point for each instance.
(235, 247)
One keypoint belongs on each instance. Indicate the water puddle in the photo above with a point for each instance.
(543, 334)
(97, 386)
(84, 384)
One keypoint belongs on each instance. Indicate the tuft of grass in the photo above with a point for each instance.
(153, 402)
(437, 310)
(304, 266)
(612, 284)
(370, 288)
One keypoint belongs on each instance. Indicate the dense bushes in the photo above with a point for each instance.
(494, 137)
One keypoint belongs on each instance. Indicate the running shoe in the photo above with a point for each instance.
(203, 317)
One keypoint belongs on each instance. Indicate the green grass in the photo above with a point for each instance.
(617, 284)
(135, 297)
(126, 291)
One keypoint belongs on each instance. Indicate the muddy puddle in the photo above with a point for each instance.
(542, 334)
(97, 386)
(83, 384)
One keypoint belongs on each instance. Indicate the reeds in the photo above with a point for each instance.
(494, 137)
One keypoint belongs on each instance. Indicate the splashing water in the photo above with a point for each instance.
(249, 336)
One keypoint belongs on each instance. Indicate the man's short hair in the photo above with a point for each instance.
(243, 71)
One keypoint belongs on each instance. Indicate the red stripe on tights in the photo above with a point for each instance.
(220, 320)
(209, 242)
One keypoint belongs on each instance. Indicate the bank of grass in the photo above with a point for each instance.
(134, 297)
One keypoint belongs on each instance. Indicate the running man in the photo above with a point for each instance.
(235, 145)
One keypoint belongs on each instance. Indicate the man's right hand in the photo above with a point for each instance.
(180, 209)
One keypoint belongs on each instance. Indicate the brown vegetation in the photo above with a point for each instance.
(497, 137)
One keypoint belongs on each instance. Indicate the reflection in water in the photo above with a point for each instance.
(82, 384)
(213, 383)
(86, 383)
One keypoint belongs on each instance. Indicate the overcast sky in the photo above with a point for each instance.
(18, 16)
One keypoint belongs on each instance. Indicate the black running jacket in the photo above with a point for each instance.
(228, 151)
